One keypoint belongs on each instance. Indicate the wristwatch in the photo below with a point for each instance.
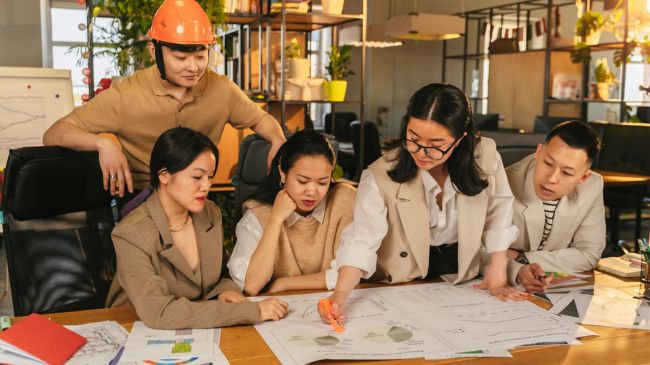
(521, 258)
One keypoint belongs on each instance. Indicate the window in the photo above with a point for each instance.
(68, 37)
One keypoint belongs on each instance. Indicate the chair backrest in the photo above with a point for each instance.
(251, 169)
(57, 230)
(624, 147)
(342, 130)
(514, 146)
(545, 124)
(486, 122)
(372, 147)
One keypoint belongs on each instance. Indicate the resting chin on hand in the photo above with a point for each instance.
(533, 278)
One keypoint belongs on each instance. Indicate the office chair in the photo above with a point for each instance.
(514, 146)
(372, 147)
(486, 122)
(545, 124)
(623, 150)
(342, 130)
(57, 230)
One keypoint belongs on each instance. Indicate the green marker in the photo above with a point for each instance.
(5, 322)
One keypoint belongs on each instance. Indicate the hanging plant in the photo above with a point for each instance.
(125, 40)
(587, 25)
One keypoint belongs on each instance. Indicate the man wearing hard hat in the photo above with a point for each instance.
(178, 91)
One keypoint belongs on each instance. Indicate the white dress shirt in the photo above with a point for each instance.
(361, 239)
(249, 233)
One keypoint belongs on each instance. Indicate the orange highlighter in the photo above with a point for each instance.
(326, 306)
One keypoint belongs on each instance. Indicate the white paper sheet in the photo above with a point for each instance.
(429, 320)
(104, 341)
(191, 346)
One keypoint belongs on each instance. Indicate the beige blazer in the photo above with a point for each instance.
(577, 237)
(153, 275)
(404, 252)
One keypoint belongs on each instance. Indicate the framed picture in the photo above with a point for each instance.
(566, 86)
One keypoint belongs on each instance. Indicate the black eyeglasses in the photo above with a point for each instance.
(431, 152)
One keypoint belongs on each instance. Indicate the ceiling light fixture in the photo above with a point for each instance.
(424, 27)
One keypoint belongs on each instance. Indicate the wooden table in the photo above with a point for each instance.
(614, 181)
(243, 345)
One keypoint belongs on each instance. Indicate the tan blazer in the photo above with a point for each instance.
(577, 237)
(153, 275)
(404, 252)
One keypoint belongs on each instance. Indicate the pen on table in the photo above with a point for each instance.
(117, 357)
(633, 262)
(326, 306)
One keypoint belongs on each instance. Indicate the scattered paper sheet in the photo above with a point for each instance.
(187, 346)
(104, 341)
(434, 320)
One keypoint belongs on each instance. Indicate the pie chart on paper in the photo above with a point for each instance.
(387, 334)
(312, 339)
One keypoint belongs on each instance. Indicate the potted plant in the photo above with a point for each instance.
(338, 68)
(604, 78)
(334, 7)
(125, 40)
(587, 33)
(298, 67)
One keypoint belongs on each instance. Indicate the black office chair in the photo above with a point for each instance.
(342, 130)
(623, 150)
(57, 225)
(252, 168)
(514, 146)
(486, 122)
(545, 124)
(372, 147)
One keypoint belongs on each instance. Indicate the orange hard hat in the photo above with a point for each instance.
(182, 22)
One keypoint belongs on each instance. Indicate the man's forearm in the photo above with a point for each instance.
(66, 133)
(269, 129)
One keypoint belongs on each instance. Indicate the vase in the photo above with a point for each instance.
(333, 6)
(335, 90)
(298, 68)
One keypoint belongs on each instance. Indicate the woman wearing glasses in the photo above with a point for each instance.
(425, 209)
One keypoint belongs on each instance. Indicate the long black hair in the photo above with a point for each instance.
(446, 105)
(303, 143)
(174, 151)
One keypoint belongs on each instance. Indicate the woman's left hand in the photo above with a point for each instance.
(496, 280)
(231, 297)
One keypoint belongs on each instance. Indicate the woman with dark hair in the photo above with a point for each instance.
(169, 248)
(292, 224)
(426, 208)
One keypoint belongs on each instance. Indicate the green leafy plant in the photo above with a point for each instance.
(339, 64)
(293, 49)
(643, 47)
(588, 23)
(126, 39)
(602, 72)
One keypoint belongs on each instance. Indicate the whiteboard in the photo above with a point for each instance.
(31, 99)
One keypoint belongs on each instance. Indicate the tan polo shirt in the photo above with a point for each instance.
(138, 109)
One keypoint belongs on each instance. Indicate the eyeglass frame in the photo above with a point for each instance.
(426, 149)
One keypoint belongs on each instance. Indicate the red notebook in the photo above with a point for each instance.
(38, 338)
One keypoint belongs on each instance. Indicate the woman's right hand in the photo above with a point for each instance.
(283, 206)
(273, 309)
(337, 301)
